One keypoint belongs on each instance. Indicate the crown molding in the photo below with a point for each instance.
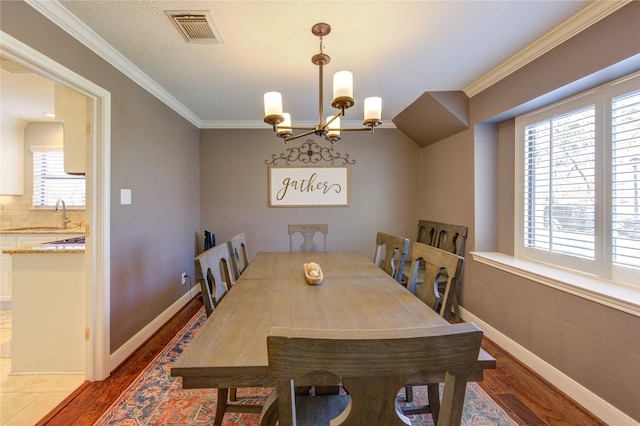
(593, 13)
(68, 22)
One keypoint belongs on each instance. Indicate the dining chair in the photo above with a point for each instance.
(371, 365)
(435, 263)
(214, 272)
(308, 231)
(444, 236)
(427, 232)
(390, 254)
(239, 254)
(452, 238)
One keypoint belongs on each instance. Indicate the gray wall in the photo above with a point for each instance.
(597, 346)
(462, 179)
(233, 190)
(154, 152)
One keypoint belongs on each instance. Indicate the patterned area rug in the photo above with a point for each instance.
(156, 398)
(5, 318)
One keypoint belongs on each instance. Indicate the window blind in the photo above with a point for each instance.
(51, 183)
(625, 167)
(578, 181)
(559, 184)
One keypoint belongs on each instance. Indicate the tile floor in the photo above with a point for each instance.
(25, 399)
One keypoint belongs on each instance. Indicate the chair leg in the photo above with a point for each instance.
(433, 390)
(408, 392)
(456, 308)
(221, 408)
(270, 411)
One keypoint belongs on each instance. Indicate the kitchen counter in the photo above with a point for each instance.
(43, 230)
(72, 242)
(47, 249)
(48, 312)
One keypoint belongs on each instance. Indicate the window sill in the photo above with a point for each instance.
(618, 296)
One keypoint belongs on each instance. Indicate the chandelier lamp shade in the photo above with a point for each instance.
(328, 127)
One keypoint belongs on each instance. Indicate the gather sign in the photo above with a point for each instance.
(308, 186)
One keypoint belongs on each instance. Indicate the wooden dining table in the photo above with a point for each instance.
(230, 350)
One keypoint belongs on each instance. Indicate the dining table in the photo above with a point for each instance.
(230, 350)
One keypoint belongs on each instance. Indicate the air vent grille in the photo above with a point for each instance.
(195, 26)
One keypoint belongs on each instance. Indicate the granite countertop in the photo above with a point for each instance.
(47, 249)
(68, 245)
(43, 230)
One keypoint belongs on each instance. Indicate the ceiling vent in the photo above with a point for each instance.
(196, 26)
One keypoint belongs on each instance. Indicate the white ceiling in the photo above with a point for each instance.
(395, 49)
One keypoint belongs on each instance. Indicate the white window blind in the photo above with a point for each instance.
(579, 170)
(625, 165)
(559, 178)
(51, 183)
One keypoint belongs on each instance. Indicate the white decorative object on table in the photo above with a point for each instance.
(313, 273)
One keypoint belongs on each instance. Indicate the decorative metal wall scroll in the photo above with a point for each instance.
(310, 152)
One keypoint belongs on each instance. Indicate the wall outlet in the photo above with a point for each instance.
(184, 278)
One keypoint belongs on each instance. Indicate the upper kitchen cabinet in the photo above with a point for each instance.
(74, 110)
(12, 156)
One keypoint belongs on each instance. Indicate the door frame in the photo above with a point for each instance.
(98, 173)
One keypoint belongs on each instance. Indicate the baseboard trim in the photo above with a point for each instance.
(583, 396)
(124, 351)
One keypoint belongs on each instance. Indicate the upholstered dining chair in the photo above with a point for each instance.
(371, 365)
(308, 231)
(239, 254)
(435, 264)
(391, 252)
(214, 272)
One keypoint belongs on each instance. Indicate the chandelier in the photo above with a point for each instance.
(328, 128)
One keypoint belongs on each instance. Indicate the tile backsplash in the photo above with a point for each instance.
(17, 212)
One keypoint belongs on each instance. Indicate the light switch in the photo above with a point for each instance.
(125, 196)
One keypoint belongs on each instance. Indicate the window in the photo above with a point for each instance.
(51, 183)
(578, 180)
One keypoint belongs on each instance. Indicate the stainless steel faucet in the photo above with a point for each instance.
(64, 218)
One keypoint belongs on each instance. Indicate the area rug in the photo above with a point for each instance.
(5, 318)
(156, 398)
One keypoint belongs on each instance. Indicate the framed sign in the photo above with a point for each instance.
(308, 186)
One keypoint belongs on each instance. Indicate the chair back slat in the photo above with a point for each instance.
(239, 254)
(451, 238)
(373, 365)
(308, 231)
(437, 263)
(427, 232)
(213, 271)
(391, 252)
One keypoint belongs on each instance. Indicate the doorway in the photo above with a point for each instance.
(97, 214)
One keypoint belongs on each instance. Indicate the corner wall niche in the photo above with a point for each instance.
(434, 116)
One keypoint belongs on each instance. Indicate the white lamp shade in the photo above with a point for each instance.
(343, 84)
(272, 104)
(285, 123)
(333, 129)
(373, 108)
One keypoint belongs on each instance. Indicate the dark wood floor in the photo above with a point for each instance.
(527, 398)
